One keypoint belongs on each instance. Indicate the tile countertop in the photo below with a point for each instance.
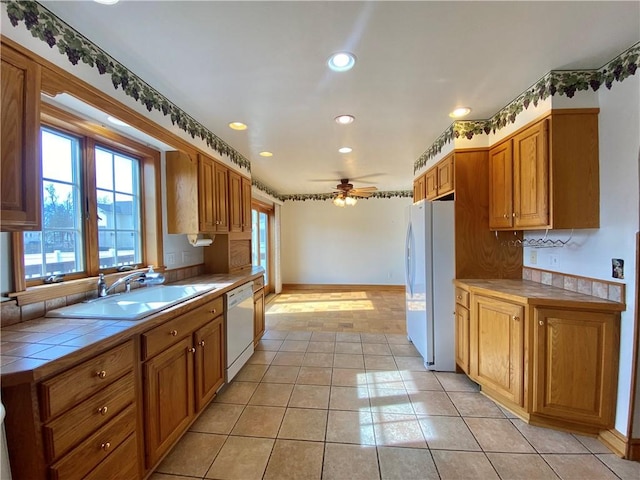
(32, 350)
(538, 294)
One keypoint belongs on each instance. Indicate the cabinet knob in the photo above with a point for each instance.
(541, 323)
(191, 350)
(201, 343)
(106, 446)
(174, 333)
(101, 374)
(506, 216)
(513, 214)
(214, 311)
(459, 297)
(516, 318)
(103, 410)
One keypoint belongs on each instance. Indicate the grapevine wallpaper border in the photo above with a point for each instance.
(303, 197)
(50, 29)
(556, 82)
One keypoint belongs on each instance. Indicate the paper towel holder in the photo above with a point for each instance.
(200, 242)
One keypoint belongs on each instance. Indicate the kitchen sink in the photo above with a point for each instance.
(134, 305)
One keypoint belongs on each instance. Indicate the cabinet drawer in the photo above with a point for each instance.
(96, 448)
(462, 297)
(122, 463)
(69, 388)
(160, 338)
(68, 430)
(258, 283)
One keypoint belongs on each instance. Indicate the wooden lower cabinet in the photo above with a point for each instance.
(575, 367)
(209, 367)
(553, 363)
(258, 315)
(183, 378)
(168, 398)
(497, 341)
(462, 338)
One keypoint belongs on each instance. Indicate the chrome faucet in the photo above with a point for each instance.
(146, 278)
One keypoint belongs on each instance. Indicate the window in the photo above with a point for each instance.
(94, 214)
(260, 254)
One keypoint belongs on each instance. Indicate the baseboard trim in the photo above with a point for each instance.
(634, 450)
(616, 441)
(342, 288)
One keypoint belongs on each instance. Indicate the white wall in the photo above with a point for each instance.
(591, 251)
(325, 244)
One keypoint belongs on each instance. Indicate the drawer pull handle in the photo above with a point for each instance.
(202, 343)
(459, 297)
(106, 446)
(103, 410)
(174, 333)
(101, 374)
(516, 318)
(191, 350)
(541, 323)
(214, 311)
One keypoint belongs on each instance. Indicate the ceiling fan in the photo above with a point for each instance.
(346, 194)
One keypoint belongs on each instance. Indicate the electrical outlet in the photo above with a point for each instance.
(533, 257)
(171, 258)
(186, 258)
(554, 261)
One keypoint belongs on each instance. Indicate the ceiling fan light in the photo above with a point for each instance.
(350, 201)
(339, 201)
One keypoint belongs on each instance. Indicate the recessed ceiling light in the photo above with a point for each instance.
(107, 2)
(345, 150)
(341, 61)
(460, 112)
(345, 119)
(237, 126)
(266, 154)
(115, 121)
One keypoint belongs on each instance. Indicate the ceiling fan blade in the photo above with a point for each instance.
(354, 193)
(365, 189)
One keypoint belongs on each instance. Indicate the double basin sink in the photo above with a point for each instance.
(135, 305)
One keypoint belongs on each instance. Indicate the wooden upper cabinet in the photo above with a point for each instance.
(21, 171)
(182, 193)
(246, 204)
(206, 193)
(221, 204)
(547, 174)
(445, 176)
(501, 186)
(419, 189)
(531, 177)
(431, 183)
(235, 202)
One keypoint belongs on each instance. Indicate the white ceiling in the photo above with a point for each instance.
(264, 64)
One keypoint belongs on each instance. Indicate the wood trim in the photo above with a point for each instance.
(336, 287)
(17, 260)
(633, 450)
(615, 441)
(633, 400)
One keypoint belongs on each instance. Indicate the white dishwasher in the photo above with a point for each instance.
(239, 331)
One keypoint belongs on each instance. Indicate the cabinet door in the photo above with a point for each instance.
(576, 366)
(531, 177)
(445, 176)
(462, 338)
(235, 202)
(182, 176)
(246, 204)
(221, 205)
(206, 194)
(258, 316)
(498, 343)
(419, 189)
(20, 171)
(431, 183)
(501, 186)
(209, 368)
(168, 398)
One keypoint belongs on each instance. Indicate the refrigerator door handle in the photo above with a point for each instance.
(408, 259)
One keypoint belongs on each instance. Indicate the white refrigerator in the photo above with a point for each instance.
(429, 268)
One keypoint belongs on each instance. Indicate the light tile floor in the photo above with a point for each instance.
(323, 405)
